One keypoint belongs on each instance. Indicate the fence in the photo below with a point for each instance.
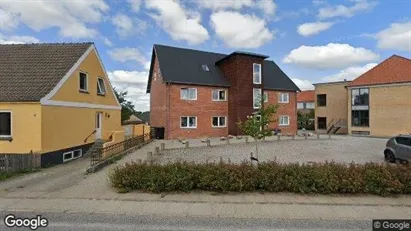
(19, 162)
(104, 153)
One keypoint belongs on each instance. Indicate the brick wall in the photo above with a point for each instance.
(158, 99)
(203, 108)
(285, 109)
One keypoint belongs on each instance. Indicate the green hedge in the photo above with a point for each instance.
(326, 178)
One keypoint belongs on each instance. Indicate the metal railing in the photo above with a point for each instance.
(104, 153)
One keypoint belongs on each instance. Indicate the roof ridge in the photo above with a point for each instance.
(399, 56)
(189, 49)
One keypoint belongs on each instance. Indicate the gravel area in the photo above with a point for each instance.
(342, 149)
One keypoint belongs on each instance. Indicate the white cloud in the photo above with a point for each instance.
(17, 39)
(349, 73)
(71, 17)
(346, 11)
(240, 31)
(267, 6)
(304, 85)
(124, 24)
(308, 29)
(127, 54)
(397, 37)
(135, 5)
(135, 83)
(7, 20)
(330, 56)
(107, 42)
(177, 22)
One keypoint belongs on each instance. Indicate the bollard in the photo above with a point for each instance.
(246, 139)
(157, 150)
(187, 144)
(227, 141)
(329, 136)
(305, 136)
(221, 160)
(293, 137)
(139, 161)
(318, 136)
(208, 143)
(278, 137)
(149, 156)
(229, 161)
(162, 146)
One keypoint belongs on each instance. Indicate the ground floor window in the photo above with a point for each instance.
(360, 118)
(322, 122)
(5, 124)
(219, 121)
(72, 155)
(284, 120)
(188, 122)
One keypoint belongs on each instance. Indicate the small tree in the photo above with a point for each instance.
(256, 124)
(127, 107)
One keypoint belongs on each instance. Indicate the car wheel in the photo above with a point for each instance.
(389, 156)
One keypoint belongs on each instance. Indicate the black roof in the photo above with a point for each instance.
(180, 65)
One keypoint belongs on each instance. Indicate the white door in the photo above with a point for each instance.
(98, 125)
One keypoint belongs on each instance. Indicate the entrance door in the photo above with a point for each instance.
(98, 125)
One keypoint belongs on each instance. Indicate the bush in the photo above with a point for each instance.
(325, 178)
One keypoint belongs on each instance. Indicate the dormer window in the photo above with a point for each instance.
(256, 73)
(205, 67)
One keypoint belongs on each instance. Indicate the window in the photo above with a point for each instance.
(5, 124)
(300, 105)
(283, 97)
(219, 95)
(189, 93)
(256, 97)
(360, 118)
(359, 96)
(322, 100)
(72, 155)
(205, 67)
(83, 82)
(218, 121)
(256, 73)
(265, 97)
(403, 140)
(188, 122)
(322, 122)
(284, 120)
(101, 87)
(309, 105)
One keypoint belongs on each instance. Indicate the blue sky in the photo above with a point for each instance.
(311, 40)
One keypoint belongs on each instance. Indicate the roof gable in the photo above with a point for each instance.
(395, 69)
(30, 71)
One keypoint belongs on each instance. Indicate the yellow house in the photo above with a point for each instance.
(55, 99)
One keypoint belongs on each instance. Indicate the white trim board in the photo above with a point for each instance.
(47, 98)
(78, 104)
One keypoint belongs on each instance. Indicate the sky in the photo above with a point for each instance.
(311, 40)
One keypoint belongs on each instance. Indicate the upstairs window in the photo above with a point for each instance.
(5, 124)
(83, 82)
(219, 95)
(205, 67)
(256, 73)
(283, 97)
(256, 98)
(219, 121)
(188, 122)
(188, 93)
(322, 100)
(360, 97)
(101, 87)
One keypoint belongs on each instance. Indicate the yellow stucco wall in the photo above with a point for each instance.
(390, 111)
(26, 128)
(64, 127)
(336, 107)
(70, 90)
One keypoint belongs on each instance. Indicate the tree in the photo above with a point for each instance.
(127, 107)
(256, 125)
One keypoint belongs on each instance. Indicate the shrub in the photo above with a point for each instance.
(324, 178)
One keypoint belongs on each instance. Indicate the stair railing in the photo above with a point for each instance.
(85, 140)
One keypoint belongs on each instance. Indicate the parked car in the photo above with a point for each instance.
(398, 148)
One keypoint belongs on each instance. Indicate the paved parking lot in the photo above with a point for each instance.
(342, 149)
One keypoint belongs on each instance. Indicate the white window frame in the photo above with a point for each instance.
(11, 124)
(280, 97)
(255, 97)
(79, 85)
(283, 124)
(265, 95)
(218, 121)
(218, 90)
(259, 73)
(188, 124)
(99, 86)
(188, 89)
(72, 155)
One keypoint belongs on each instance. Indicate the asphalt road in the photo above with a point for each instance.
(82, 221)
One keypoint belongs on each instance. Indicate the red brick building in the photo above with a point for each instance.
(203, 94)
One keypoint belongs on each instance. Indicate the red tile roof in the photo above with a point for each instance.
(395, 69)
(305, 96)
